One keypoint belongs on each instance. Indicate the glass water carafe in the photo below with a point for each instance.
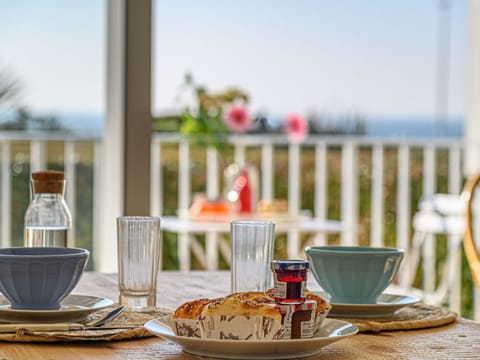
(48, 222)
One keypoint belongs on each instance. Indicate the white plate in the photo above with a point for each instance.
(331, 331)
(74, 308)
(387, 305)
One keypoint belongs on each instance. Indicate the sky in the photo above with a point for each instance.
(373, 57)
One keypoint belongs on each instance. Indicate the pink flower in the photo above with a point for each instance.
(237, 118)
(296, 127)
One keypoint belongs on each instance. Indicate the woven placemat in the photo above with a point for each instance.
(417, 316)
(124, 319)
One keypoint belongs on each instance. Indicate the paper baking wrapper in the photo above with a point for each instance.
(228, 327)
(255, 327)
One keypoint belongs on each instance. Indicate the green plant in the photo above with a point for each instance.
(204, 122)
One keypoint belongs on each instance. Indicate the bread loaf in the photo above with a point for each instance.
(242, 304)
(249, 316)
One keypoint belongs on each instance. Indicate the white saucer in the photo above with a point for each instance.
(331, 331)
(74, 308)
(387, 305)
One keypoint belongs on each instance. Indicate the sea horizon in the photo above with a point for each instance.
(374, 127)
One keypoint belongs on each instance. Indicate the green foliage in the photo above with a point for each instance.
(204, 128)
(167, 123)
(203, 124)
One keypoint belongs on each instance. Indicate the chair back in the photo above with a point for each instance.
(469, 244)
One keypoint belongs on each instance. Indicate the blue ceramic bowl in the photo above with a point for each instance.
(354, 274)
(40, 278)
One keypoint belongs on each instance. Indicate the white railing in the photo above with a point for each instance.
(25, 152)
(351, 150)
(350, 147)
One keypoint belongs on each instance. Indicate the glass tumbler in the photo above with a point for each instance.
(251, 253)
(139, 250)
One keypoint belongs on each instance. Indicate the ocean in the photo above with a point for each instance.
(375, 127)
(412, 127)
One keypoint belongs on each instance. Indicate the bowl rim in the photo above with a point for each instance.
(71, 252)
(331, 249)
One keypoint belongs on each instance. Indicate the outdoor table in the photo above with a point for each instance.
(459, 340)
(187, 229)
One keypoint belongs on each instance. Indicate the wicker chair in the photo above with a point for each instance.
(469, 244)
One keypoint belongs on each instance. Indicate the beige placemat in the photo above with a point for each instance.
(417, 316)
(124, 319)
(411, 317)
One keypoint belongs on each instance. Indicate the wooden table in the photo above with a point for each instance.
(460, 340)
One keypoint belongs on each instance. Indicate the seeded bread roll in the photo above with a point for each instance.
(257, 296)
(243, 305)
(191, 309)
(322, 304)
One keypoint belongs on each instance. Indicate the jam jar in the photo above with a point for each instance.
(290, 280)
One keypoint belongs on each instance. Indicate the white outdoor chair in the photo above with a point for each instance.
(438, 214)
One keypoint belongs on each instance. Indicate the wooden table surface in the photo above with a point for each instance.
(460, 340)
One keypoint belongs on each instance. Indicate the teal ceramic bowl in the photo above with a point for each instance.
(354, 274)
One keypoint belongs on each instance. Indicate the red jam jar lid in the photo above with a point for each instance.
(293, 265)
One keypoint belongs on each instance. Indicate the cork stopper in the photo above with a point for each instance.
(48, 181)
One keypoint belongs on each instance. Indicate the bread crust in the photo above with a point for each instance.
(240, 304)
(190, 309)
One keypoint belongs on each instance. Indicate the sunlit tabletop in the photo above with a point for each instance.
(456, 341)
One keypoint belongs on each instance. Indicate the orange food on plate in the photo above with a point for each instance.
(203, 208)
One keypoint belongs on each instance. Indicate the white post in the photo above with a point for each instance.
(376, 235)
(184, 190)
(429, 246)
(6, 201)
(211, 237)
(212, 173)
(403, 197)
(349, 195)
(184, 182)
(321, 177)
(111, 192)
(293, 244)
(403, 211)
(454, 170)
(69, 160)
(267, 171)
(156, 186)
(96, 202)
(38, 156)
(455, 241)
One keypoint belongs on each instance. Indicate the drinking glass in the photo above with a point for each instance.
(251, 253)
(139, 251)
